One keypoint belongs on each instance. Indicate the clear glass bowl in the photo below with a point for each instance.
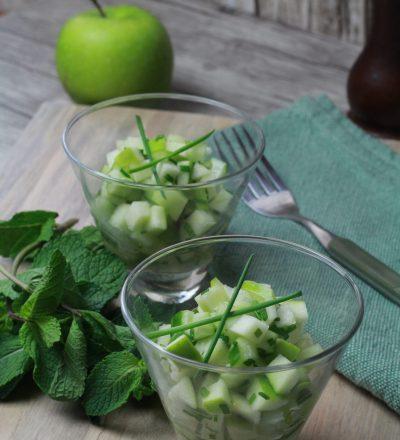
(92, 133)
(335, 309)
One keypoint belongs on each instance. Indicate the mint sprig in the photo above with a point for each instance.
(53, 316)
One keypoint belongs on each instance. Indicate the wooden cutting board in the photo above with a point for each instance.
(38, 176)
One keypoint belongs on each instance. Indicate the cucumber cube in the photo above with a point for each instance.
(262, 397)
(127, 158)
(138, 216)
(102, 207)
(283, 381)
(203, 331)
(299, 310)
(200, 222)
(110, 157)
(158, 220)
(125, 192)
(134, 142)
(221, 201)
(242, 353)
(184, 392)
(167, 171)
(199, 171)
(183, 179)
(216, 398)
(286, 316)
(174, 142)
(183, 346)
(310, 351)
(213, 300)
(218, 169)
(241, 406)
(182, 317)
(164, 340)
(172, 201)
(247, 327)
(118, 218)
(287, 349)
(220, 353)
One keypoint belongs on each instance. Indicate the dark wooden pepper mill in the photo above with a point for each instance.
(373, 86)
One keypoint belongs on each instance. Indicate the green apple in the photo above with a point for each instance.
(127, 51)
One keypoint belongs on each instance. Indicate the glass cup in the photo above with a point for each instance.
(335, 309)
(193, 210)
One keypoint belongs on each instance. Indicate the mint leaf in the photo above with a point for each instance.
(143, 317)
(111, 383)
(60, 371)
(25, 228)
(102, 271)
(5, 390)
(6, 323)
(91, 236)
(125, 337)
(14, 362)
(30, 277)
(48, 293)
(48, 329)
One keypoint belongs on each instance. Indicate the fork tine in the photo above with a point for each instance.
(219, 149)
(236, 133)
(269, 168)
(232, 150)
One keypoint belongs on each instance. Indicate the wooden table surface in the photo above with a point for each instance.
(258, 66)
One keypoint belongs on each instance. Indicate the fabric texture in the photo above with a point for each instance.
(349, 182)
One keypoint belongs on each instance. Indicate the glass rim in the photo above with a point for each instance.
(244, 238)
(173, 96)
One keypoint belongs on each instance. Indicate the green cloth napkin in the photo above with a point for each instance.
(348, 182)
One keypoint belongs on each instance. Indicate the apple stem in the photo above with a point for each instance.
(99, 8)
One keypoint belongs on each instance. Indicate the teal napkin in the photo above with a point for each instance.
(348, 182)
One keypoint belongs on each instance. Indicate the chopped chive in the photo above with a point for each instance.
(173, 154)
(124, 173)
(204, 392)
(227, 310)
(263, 395)
(258, 333)
(147, 148)
(252, 398)
(216, 318)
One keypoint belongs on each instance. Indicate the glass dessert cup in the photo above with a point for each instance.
(335, 310)
(94, 132)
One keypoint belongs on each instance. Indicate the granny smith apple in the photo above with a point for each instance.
(125, 51)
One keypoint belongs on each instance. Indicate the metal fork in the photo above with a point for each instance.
(267, 194)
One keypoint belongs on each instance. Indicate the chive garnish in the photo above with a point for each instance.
(147, 148)
(228, 309)
(173, 154)
(216, 318)
(124, 173)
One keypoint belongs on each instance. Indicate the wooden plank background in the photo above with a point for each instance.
(346, 19)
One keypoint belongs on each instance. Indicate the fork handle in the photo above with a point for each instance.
(353, 257)
(367, 267)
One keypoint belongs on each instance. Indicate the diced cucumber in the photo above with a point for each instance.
(138, 216)
(287, 349)
(283, 381)
(164, 340)
(110, 157)
(247, 327)
(310, 351)
(185, 166)
(221, 201)
(124, 192)
(242, 353)
(182, 317)
(286, 316)
(167, 171)
(200, 222)
(183, 346)
(158, 220)
(239, 429)
(305, 341)
(299, 310)
(183, 391)
(183, 178)
(220, 353)
(213, 300)
(199, 171)
(233, 380)
(198, 153)
(172, 201)
(126, 158)
(174, 142)
(102, 207)
(203, 331)
(118, 218)
(217, 169)
(261, 396)
(216, 398)
(142, 175)
(241, 406)
(134, 142)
